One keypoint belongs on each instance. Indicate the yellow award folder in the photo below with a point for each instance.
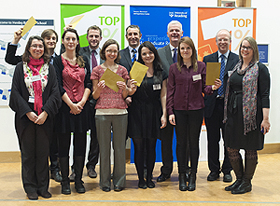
(28, 25)
(212, 72)
(138, 72)
(76, 20)
(111, 79)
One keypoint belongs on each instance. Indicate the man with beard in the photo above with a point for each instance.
(168, 56)
(91, 53)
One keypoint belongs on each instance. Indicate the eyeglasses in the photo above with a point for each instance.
(37, 46)
(246, 48)
(111, 52)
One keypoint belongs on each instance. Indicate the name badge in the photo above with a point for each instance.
(229, 73)
(36, 78)
(156, 86)
(196, 77)
(31, 99)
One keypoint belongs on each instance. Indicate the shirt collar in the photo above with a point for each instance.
(97, 50)
(172, 47)
(226, 54)
(130, 49)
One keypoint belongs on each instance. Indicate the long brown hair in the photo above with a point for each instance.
(26, 55)
(188, 41)
(80, 60)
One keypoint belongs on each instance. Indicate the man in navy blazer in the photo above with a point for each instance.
(174, 32)
(94, 36)
(214, 109)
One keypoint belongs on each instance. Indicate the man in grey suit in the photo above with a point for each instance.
(168, 56)
(214, 108)
(91, 53)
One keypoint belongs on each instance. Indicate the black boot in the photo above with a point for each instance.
(192, 181)
(246, 186)
(182, 182)
(65, 183)
(237, 167)
(188, 173)
(79, 166)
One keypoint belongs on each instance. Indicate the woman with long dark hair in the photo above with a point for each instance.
(147, 113)
(35, 99)
(74, 116)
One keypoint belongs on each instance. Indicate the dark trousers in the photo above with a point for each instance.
(166, 137)
(188, 127)
(34, 146)
(54, 165)
(93, 153)
(213, 125)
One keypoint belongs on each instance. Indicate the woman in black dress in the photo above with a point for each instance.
(35, 99)
(246, 114)
(147, 113)
(74, 116)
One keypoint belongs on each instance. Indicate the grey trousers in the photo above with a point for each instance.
(118, 123)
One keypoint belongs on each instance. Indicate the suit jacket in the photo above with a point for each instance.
(166, 58)
(210, 101)
(11, 57)
(126, 59)
(85, 51)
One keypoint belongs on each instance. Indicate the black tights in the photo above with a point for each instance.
(139, 145)
(234, 154)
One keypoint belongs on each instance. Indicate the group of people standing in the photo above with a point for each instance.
(56, 97)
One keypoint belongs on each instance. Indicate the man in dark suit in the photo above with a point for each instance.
(91, 53)
(168, 56)
(130, 53)
(214, 107)
(50, 38)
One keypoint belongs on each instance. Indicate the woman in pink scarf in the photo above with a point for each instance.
(35, 99)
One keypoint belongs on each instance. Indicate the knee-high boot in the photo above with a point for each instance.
(79, 166)
(246, 186)
(65, 183)
(237, 167)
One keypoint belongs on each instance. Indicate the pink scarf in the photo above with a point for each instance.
(37, 85)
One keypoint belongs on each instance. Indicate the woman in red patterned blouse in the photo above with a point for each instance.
(74, 116)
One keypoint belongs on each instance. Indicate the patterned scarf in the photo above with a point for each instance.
(249, 100)
(37, 85)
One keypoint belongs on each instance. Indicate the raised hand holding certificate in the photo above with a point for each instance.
(212, 72)
(138, 72)
(111, 79)
(28, 25)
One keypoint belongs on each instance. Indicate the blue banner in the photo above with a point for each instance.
(263, 53)
(153, 21)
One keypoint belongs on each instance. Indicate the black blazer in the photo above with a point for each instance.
(210, 100)
(165, 58)
(126, 59)
(11, 57)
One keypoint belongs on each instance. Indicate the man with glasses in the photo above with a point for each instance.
(214, 107)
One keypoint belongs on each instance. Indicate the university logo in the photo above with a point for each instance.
(171, 14)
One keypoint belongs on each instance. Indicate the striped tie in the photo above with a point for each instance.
(222, 74)
(134, 55)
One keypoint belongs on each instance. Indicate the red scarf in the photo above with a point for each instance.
(37, 85)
